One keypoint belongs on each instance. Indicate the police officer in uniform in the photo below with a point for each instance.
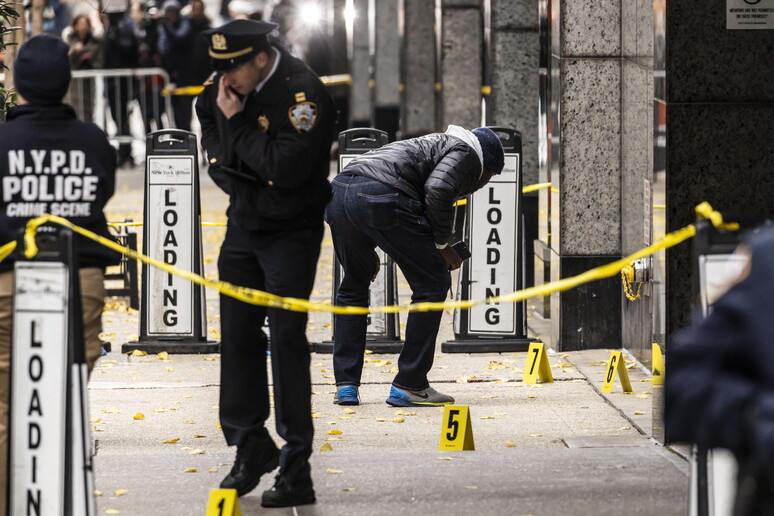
(50, 162)
(719, 388)
(267, 125)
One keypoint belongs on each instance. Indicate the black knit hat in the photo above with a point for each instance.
(492, 147)
(41, 72)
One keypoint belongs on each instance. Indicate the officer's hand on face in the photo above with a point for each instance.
(228, 101)
(452, 259)
(377, 266)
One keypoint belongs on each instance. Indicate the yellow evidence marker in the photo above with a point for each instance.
(537, 365)
(456, 429)
(616, 363)
(223, 502)
(658, 365)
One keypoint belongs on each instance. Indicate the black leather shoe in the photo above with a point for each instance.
(254, 458)
(288, 492)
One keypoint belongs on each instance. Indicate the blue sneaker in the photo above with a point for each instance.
(425, 398)
(346, 395)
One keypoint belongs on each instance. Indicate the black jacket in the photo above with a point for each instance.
(436, 169)
(50, 162)
(272, 158)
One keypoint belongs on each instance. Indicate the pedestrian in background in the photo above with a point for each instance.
(200, 23)
(86, 53)
(121, 51)
(175, 47)
(719, 389)
(400, 198)
(40, 133)
(267, 125)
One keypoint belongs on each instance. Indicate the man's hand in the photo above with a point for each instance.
(228, 102)
(451, 258)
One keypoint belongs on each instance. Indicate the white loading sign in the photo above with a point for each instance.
(170, 239)
(37, 472)
(494, 237)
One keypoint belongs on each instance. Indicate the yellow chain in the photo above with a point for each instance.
(627, 278)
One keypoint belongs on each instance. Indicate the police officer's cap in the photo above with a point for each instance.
(234, 43)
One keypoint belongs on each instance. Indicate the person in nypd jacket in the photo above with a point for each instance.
(50, 162)
(400, 198)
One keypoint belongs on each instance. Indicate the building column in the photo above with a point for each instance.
(585, 168)
(385, 65)
(460, 60)
(360, 92)
(417, 67)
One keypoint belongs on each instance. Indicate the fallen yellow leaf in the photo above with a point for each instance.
(535, 435)
(381, 419)
(112, 511)
(349, 411)
(642, 396)
(509, 444)
(198, 436)
(335, 432)
(334, 471)
(139, 353)
(170, 369)
(349, 489)
(163, 355)
(638, 413)
(189, 470)
(444, 458)
(172, 441)
(139, 416)
(398, 420)
(97, 493)
(120, 492)
(470, 487)
(326, 447)
(196, 452)
(213, 470)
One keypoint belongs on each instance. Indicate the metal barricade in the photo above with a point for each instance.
(125, 273)
(108, 98)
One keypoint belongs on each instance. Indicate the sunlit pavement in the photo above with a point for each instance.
(558, 448)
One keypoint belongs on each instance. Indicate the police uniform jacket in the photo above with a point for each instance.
(50, 162)
(272, 158)
(436, 170)
(720, 376)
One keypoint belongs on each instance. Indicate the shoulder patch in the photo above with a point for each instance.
(300, 97)
(303, 116)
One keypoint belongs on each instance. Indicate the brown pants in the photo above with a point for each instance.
(92, 303)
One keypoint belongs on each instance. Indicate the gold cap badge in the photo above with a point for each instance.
(219, 42)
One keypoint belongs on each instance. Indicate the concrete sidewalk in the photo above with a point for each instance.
(549, 449)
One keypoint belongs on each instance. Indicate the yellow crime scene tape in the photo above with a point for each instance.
(131, 224)
(327, 80)
(258, 297)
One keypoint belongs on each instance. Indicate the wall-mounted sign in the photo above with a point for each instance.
(749, 14)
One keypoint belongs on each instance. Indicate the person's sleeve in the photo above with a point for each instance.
(210, 137)
(288, 158)
(211, 141)
(709, 387)
(443, 187)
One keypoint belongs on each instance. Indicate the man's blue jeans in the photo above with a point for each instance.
(363, 214)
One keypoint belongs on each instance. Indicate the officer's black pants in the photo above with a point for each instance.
(281, 263)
